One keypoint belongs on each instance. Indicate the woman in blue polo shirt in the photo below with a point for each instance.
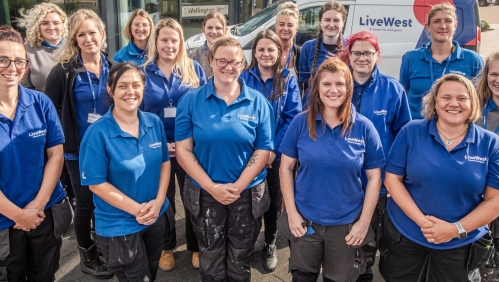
(266, 75)
(328, 213)
(124, 161)
(33, 210)
(421, 67)
(329, 41)
(77, 87)
(488, 92)
(224, 136)
(383, 101)
(137, 31)
(170, 75)
(443, 178)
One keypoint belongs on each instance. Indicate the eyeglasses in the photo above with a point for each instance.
(47, 25)
(222, 63)
(368, 55)
(19, 63)
(144, 25)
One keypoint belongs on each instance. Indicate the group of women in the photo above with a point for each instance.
(237, 141)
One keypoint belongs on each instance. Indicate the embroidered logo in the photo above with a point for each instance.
(246, 117)
(475, 159)
(457, 72)
(83, 175)
(380, 112)
(354, 140)
(38, 133)
(155, 145)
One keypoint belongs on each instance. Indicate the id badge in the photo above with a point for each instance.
(170, 112)
(93, 117)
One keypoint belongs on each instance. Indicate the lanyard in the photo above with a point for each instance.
(168, 92)
(289, 57)
(431, 66)
(359, 103)
(92, 86)
(485, 112)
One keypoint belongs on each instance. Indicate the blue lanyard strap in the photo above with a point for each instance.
(485, 112)
(168, 92)
(289, 56)
(431, 66)
(94, 97)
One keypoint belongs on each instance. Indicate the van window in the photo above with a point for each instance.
(257, 20)
(309, 24)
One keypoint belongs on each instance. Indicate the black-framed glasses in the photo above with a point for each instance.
(222, 63)
(19, 63)
(368, 55)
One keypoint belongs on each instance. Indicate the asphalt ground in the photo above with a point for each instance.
(184, 272)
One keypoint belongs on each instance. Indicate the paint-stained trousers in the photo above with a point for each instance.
(226, 233)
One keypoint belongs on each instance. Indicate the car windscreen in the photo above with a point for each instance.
(257, 20)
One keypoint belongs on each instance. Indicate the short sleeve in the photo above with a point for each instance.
(289, 144)
(183, 120)
(304, 74)
(374, 156)
(55, 134)
(493, 169)
(164, 147)
(397, 157)
(404, 73)
(200, 72)
(93, 160)
(265, 131)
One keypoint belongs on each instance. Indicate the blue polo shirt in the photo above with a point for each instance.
(328, 188)
(415, 72)
(447, 185)
(23, 145)
(225, 136)
(383, 101)
(130, 53)
(160, 89)
(133, 166)
(286, 107)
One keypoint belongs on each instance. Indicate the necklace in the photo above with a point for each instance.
(449, 140)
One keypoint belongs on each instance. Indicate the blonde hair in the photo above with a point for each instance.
(70, 48)
(128, 27)
(483, 89)
(430, 100)
(32, 19)
(288, 9)
(184, 66)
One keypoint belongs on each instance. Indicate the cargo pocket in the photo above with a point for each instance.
(125, 251)
(391, 236)
(213, 263)
(283, 226)
(3, 274)
(62, 215)
(480, 252)
(191, 197)
(260, 199)
(4, 244)
(358, 266)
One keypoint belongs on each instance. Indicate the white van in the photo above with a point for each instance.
(398, 24)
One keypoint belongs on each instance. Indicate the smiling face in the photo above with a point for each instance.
(89, 38)
(168, 44)
(332, 90)
(362, 65)
(11, 76)
(332, 23)
(493, 78)
(453, 103)
(213, 29)
(51, 28)
(141, 29)
(266, 53)
(442, 26)
(227, 74)
(286, 27)
(129, 91)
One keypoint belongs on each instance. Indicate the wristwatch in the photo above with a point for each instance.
(460, 230)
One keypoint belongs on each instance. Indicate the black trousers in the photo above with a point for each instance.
(171, 237)
(84, 213)
(135, 257)
(33, 255)
(270, 217)
(402, 260)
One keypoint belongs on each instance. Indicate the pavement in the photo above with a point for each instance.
(490, 40)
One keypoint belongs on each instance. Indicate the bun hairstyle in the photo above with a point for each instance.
(288, 9)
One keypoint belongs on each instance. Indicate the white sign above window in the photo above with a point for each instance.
(201, 11)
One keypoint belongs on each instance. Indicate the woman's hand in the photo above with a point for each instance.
(171, 150)
(224, 193)
(29, 219)
(357, 234)
(271, 159)
(151, 209)
(441, 231)
(295, 222)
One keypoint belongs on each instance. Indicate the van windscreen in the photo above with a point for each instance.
(257, 20)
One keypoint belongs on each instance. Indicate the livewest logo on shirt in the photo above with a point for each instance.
(475, 159)
(155, 145)
(356, 141)
(38, 133)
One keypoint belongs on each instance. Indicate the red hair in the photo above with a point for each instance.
(359, 36)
